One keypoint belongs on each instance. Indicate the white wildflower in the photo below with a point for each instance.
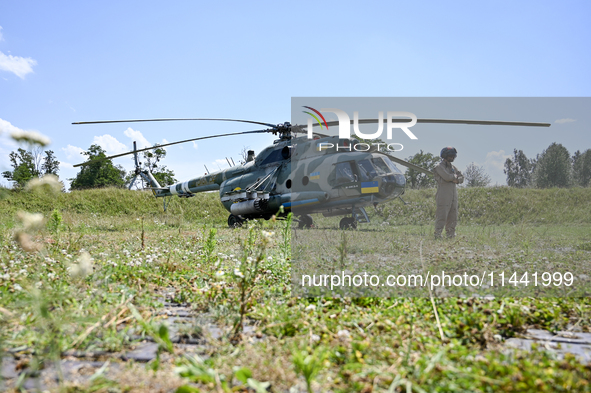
(32, 137)
(219, 273)
(268, 234)
(84, 266)
(17, 287)
(238, 273)
(315, 337)
(311, 307)
(30, 221)
(48, 183)
(343, 334)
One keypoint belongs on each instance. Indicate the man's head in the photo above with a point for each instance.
(449, 153)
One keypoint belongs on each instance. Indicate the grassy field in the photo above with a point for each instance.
(104, 263)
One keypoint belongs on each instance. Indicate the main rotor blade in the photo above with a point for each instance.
(300, 130)
(145, 120)
(172, 143)
(450, 121)
(409, 165)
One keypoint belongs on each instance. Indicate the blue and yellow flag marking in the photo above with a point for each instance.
(369, 187)
(315, 176)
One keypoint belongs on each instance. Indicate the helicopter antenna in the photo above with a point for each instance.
(232, 161)
(206, 169)
(230, 165)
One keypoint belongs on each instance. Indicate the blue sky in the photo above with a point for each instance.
(69, 61)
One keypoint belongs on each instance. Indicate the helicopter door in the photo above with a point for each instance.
(346, 179)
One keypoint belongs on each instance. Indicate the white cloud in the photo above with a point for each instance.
(1, 38)
(137, 136)
(20, 66)
(164, 141)
(22, 135)
(494, 166)
(195, 145)
(495, 160)
(110, 144)
(562, 121)
(7, 144)
(5, 126)
(73, 152)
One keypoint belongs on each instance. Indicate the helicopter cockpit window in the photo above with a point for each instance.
(366, 170)
(344, 173)
(393, 167)
(380, 165)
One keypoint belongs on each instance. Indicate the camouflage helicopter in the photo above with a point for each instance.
(298, 174)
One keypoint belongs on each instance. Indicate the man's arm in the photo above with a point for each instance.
(460, 176)
(445, 175)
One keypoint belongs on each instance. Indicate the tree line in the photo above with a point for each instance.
(29, 164)
(554, 167)
(100, 172)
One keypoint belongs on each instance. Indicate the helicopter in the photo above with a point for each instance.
(296, 174)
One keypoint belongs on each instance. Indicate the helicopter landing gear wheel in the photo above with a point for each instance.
(306, 221)
(234, 221)
(348, 223)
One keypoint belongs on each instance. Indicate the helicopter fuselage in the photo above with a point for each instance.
(303, 176)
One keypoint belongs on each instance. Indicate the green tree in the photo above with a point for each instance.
(519, 170)
(553, 167)
(50, 164)
(28, 164)
(474, 176)
(164, 175)
(150, 162)
(582, 168)
(99, 172)
(418, 179)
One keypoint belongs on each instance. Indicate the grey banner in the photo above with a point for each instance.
(366, 211)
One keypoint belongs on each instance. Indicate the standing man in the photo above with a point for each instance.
(447, 176)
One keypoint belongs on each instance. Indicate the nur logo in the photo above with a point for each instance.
(392, 121)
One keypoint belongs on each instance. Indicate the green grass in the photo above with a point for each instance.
(337, 344)
(480, 206)
(497, 205)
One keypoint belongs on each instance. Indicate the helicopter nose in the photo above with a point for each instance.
(392, 184)
(396, 175)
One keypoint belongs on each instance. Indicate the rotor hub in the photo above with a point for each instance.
(284, 131)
